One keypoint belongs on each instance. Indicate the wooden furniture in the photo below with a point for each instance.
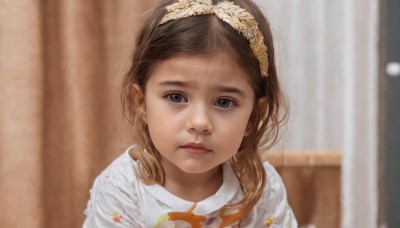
(312, 180)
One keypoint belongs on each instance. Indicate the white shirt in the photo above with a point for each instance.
(119, 199)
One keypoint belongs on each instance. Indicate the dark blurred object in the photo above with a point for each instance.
(389, 181)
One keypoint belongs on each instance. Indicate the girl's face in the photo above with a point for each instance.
(197, 110)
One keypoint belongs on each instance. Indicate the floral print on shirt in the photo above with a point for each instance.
(116, 217)
(190, 220)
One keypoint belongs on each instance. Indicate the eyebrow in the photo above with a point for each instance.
(234, 90)
(220, 88)
(174, 83)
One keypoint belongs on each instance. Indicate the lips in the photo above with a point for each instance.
(195, 148)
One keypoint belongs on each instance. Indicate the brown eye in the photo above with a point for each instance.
(224, 103)
(176, 98)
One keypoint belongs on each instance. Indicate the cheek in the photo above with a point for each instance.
(160, 122)
(234, 129)
(155, 120)
(157, 130)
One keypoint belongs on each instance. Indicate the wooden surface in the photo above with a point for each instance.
(312, 180)
(309, 158)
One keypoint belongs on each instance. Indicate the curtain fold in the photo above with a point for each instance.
(61, 65)
(21, 122)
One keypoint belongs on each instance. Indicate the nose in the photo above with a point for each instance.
(199, 120)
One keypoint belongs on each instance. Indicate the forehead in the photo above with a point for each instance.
(204, 70)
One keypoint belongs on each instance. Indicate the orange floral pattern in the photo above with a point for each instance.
(116, 217)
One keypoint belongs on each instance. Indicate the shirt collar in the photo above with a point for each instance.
(225, 193)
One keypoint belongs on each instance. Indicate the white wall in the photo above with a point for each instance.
(327, 54)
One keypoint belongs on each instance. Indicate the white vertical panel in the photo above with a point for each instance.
(327, 58)
(348, 185)
(320, 74)
(372, 89)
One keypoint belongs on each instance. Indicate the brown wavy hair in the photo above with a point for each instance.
(206, 34)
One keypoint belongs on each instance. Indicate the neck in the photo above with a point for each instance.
(192, 187)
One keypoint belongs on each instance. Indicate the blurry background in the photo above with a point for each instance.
(61, 63)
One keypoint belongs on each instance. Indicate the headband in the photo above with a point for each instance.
(237, 17)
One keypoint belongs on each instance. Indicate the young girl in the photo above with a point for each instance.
(202, 95)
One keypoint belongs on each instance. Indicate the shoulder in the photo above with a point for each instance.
(121, 170)
(114, 197)
(277, 209)
(120, 173)
(273, 208)
(275, 187)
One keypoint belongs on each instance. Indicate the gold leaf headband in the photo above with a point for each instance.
(241, 20)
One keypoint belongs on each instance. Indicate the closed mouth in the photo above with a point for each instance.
(195, 148)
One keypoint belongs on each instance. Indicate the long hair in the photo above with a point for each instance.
(207, 34)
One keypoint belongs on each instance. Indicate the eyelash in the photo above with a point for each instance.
(168, 96)
(232, 102)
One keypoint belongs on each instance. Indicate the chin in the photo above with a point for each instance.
(192, 170)
(195, 168)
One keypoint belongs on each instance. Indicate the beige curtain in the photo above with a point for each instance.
(61, 64)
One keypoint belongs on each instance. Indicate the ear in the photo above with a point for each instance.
(258, 112)
(139, 102)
